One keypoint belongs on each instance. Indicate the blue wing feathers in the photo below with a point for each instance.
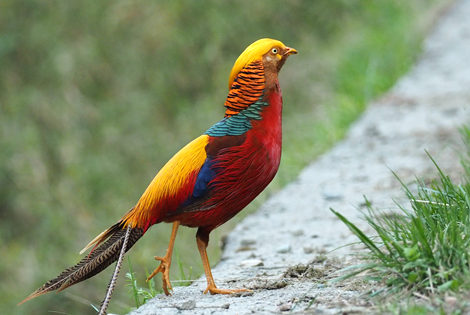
(206, 174)
(201, 187)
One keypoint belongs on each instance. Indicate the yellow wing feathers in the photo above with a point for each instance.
(169, 182)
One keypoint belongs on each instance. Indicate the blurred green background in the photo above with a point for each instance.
(95, 96)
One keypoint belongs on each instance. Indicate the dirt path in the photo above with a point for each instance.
(279, 252)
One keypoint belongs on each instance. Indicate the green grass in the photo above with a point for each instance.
(422, 249)
(140, 295)
(96, 96)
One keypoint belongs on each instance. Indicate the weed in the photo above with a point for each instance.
(423, 250)
(139, 294)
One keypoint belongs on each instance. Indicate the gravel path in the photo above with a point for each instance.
(283, 252)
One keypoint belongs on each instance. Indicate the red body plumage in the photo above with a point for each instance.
(248, 168)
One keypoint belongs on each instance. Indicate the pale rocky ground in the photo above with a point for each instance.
(279, 252)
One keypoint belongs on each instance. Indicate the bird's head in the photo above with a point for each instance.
(272, 52)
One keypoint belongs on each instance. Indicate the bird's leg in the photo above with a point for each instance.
(202, 239)
(165, 262)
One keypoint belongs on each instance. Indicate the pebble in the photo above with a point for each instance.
(297, 233)
(186, 305)
(252, 263)
(308, 249)
(332, 193)
(284, 249)
(247, 242)
(285, 307)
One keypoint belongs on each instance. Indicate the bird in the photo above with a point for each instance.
(210, 179)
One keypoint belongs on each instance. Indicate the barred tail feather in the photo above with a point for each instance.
(99, 258)
(102, 237)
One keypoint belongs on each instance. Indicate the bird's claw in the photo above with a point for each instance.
(214, 290)
(164, 268)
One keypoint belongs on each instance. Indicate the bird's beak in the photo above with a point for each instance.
(290, 51)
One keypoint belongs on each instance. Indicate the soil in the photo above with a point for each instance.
(289, 250)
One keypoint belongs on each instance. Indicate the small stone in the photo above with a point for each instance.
(252, 262)
(285, 307)
(186, 305)
(332, 193)
(247, 242)
(297, 233)
(308, 249)
(284, 249)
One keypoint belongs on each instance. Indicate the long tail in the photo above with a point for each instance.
(99, 258)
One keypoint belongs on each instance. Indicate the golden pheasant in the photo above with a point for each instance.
(210, 179)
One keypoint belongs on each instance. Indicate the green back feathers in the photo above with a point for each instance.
(238, 124)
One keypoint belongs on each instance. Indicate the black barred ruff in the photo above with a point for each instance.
(247, 88)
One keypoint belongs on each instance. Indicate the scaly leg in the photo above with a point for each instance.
(202, 239)
(165, 262)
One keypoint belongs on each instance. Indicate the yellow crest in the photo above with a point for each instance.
(252, 53)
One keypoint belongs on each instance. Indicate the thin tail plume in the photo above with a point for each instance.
(99, 258)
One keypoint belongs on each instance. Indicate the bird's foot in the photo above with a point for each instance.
(164, 268)
(215, 290)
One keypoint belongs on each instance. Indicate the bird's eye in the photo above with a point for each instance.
(274, 50)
